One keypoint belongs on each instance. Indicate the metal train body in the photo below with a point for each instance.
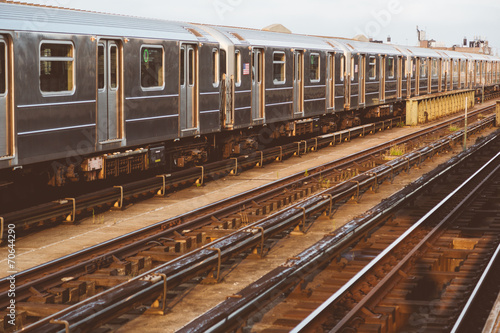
(87, 96)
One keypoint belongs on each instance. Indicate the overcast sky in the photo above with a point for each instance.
(446, 21)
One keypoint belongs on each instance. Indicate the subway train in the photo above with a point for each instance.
(87, 96)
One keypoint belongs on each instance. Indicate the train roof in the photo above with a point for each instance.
(23, 17)
(368, 47)
(241, 36)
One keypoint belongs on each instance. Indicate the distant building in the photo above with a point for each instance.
(477, 45)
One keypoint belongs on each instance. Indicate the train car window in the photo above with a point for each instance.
(101, 77)
(215, 67)
(113, 54)
(259, 72)
(152, 66)
(423, 67)
(372, 68)
(391, 68)
(222, 63)
(237, 68)
(56, 67)
(192, 65)
(315, 66)
(3, 71)
(342, 68)
(182, 69)
(353, 69)
(279, 68)
(434, 71)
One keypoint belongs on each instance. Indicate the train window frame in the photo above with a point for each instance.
(4, 70)
(372, 67)
(342, 68)
(317, 72)
(237, 68)
(282, 65)
(142, 56)
(391, 69)
(455, 68)
(215, 67)
(423, 70)
(71, 59)
(104, 66)
(353, 69)
(434, 68)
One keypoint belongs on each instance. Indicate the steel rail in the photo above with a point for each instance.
(79, 263)
(93, 312)
(307, 324)
(161, 229)
(462, 319)
(227, 315)
(65, 209)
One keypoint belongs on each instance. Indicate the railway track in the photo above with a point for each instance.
(409, 265)
(114, 264)
(70, 209)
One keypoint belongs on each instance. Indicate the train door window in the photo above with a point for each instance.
(113, 58)
(489, 72)
(182, 68)
(57, 64)
(101, 68)
(342, 68)
(192, 64)
(391, 68)
(237, 68)
(222, 63)
(400, 77)
(279, 68)
(353, 69)
(152, 67)
(477, 72)
(215, 67)
(3, 68)
(5, 109)
(372, 68)
(423, 67)
(315, 68)
(434, 68)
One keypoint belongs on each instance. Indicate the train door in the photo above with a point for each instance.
(382, 77)
(258, 86)
(362, 79)
(298, 83)
(340, 100)
(413, 76)
(400, 78)
(109, 116)
(330, 82)
(354, 82)
(188, 84)
(5, 114)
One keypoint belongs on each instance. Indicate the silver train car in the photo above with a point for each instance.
(87, 96)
